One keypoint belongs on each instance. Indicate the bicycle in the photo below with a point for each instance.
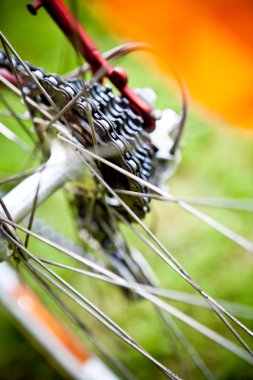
(52, 172)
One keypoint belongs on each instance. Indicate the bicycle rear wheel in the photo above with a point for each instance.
(184, 240)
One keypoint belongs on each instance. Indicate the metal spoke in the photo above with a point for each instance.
(6, 45)
(100, 348)
(33, 77)
(44, 271)
(187, 345)
(178, 267)
(24, 117)
(17, 118)
(241, 241)
(18, 176)
(34, 207)
(82, 301)
(60, 127)
(164, 306)
(117, 52)
(187, 298)
(226, 203)
(14, 138)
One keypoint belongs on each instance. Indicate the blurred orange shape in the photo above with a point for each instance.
(210, 43)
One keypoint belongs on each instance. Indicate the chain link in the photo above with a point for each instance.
(116, 126)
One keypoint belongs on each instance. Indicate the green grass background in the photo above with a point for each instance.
(217, 161)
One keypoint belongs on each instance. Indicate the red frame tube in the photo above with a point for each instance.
(80, 39)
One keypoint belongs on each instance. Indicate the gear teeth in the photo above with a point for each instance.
(117, 126)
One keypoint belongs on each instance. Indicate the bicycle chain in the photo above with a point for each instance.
(116, 125)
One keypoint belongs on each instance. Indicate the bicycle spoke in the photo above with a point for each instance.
(230, 204)
(212, 335)
(141, 290)
(24, 117)
(117, 52)
(34, 206)
(239, 240)
(72, 293)
(173, 262)
(109, 277)
(186, 276)
(18, 176)
(6, 43)
(99, 347)
(187, 298)
(226, 203)
(14, 138)
(99, 262)
(13, 88)
(64, 109)
(168, 308)
(187, 346)
(81, 259)
(17, 118)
